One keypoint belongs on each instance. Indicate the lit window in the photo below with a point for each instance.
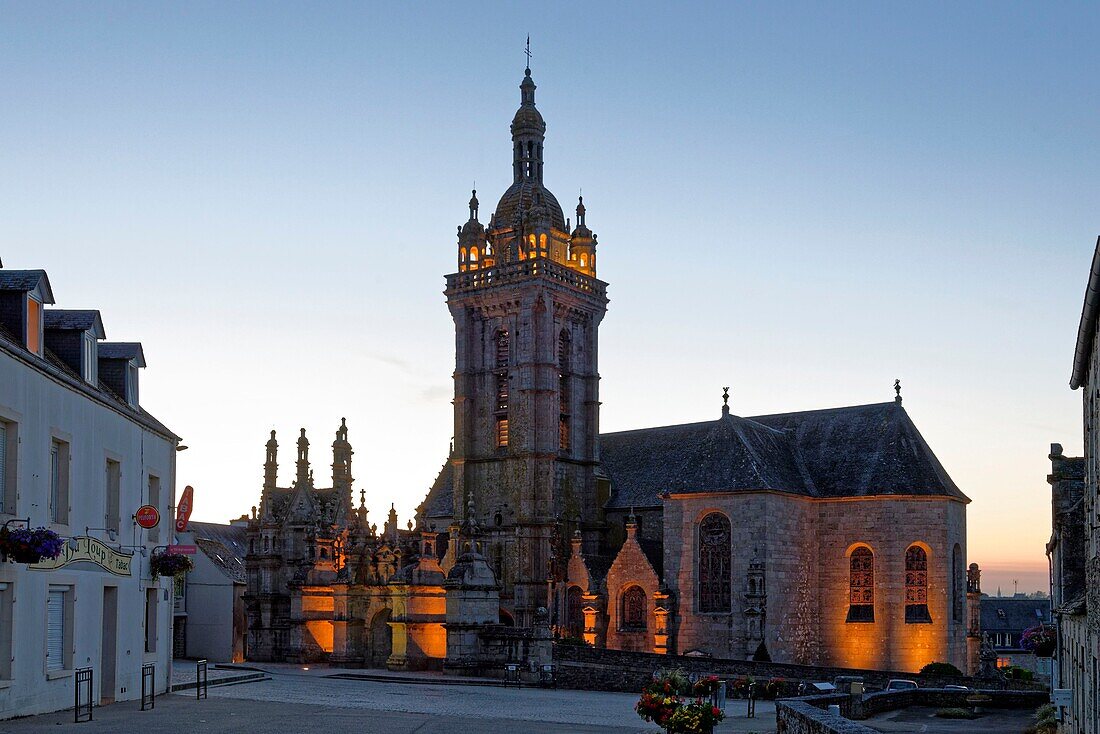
(584, 261)
(502, 432)
(714, 564)
(1004, 662)
(861, 585)
(503, 349)
(916, 586)
(34, 326)
(634, 609)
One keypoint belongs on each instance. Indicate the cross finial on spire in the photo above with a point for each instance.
(527, 53)
(725, 401)
(897, 391)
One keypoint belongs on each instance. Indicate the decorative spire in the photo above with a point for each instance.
(527, 53)
(725, 401)
(580, 211)
(473, 206)
(897, 391)
(271, 463)
(303, 457)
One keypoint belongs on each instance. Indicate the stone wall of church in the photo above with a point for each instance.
(805, 546)
(779, 531)
(889, 526)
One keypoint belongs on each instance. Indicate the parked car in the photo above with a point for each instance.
(900, 684)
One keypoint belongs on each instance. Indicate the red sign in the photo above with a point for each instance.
(183, 550)
(183, 511)
(147, 516)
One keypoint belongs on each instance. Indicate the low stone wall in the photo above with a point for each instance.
(874, 703)
(795, 716)
(599, 669)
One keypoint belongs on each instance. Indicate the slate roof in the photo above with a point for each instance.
(225, 545)
(122, 350)
(53, 365)
(65, 319)
(1086, 328)
(1013, 615)
(857, 451)
(26, 280)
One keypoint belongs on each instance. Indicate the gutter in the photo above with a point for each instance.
(1085, 330)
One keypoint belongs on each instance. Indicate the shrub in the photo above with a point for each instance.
(954, 713)
(573, 642)
(1015, 672)
(941, 670)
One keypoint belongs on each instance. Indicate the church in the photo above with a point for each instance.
(824, 537)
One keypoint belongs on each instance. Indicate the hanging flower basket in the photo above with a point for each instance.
(24, 545)
(1040, 639)
(170, 564)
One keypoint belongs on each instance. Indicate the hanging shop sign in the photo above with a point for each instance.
(87, 553)
(182, 550)
(183, 511)
(147, 517)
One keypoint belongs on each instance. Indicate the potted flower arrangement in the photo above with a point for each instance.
(1040, 640)
(24, 545)
(667, 702)
(170, 564)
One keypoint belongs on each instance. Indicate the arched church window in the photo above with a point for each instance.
(473, 254)
(958, 584)
(916, 586)
(634, 609)
(584, 261)
(574, 612)
(714, 563)
(503, 350)
(861, 585)
(564, 348)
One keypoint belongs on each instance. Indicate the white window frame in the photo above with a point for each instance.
(91, 358)
(7, 629)
(60, 459)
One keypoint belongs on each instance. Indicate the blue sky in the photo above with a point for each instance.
(802, 201)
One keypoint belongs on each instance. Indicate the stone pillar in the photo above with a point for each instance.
(472, 604)
(974, 619)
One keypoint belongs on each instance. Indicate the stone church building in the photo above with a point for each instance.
(830, 537)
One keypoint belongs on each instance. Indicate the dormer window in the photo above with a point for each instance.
(132, 384)
(90, 359)
(34, 326)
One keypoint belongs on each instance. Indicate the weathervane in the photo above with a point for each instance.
(527, 53)
(897, 390)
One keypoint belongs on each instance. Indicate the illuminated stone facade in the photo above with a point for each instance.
(831, 537)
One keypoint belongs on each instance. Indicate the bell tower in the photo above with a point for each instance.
(526, 406)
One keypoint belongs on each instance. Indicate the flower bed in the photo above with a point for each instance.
(24, 545)
(676, 705)
(170, 564)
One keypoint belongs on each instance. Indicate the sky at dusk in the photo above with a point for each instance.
(801, 201)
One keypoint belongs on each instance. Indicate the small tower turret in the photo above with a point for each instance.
(341, 464)
(473, 248)
(271, 463)
(582, 244)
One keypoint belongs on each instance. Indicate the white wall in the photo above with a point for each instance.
(42, 407)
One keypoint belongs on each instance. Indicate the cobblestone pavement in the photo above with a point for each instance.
(309, 702)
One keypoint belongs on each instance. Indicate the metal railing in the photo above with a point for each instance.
(148, 686)
(82, 709)
(200, 680)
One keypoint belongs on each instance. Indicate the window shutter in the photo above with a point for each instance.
(55, 631)
(3, 467)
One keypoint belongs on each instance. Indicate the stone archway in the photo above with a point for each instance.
(379, 640)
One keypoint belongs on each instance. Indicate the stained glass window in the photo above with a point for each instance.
(861, 585)
(634, 612)
(916, 585)
(714, 563)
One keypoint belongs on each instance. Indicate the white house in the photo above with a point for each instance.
(78, 455)
(209, 605)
